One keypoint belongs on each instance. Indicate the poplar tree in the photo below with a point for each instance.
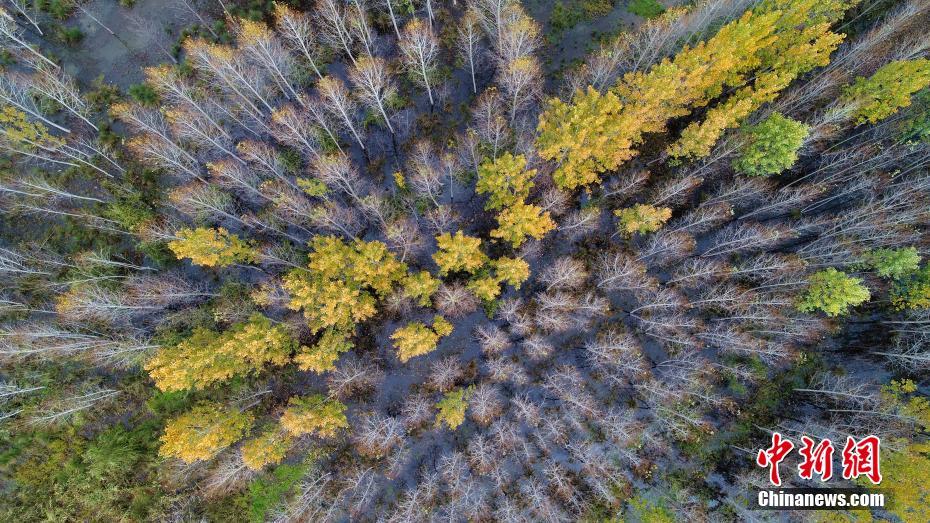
(342, 282)
(421, 286)
(202, 432)
(315, 415)
(452, 408)
(641, 219)
(771, 146)
(833, 292)
(505, 179)
(887, 91)
(208, 357)
(416, 338)
(520, 221)
(458, 253)
(268, 448)
(211, 247)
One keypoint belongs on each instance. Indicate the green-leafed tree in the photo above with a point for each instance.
(771, 146)
(833, 292)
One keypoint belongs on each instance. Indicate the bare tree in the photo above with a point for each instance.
(12, 38)
(389, 4)
(358, 23)
(455, 300)
(500, 370)
(445, 373)
(353, 377)
(564, 274)
(520, 79)
(54, 84)
(292, 127)
(266, 50)
(334, 21)
(21, 7)
(15, 91)
(420, 49)
(375, 434)
(340, 104)
(442, 218)
(485, 404)
(61, 409)
(619, 271)
(469, 43)
(493, 339)
(296, 28)
(417, 411)
(489, 125)
(374, 85)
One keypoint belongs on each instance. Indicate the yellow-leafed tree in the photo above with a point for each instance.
(316, 415)
(758, 54)
(322, 356)
(582, 137)
(887, 91)
(421, 286)
(211, 247)
(417, 339)
(458, 253)
(505, 179)
(202, 432)
(486, 288)
(514, 271)
(520, 221)
(208, 357)
(268, 448)
(641, 219)
(343, 282)
(452, 408)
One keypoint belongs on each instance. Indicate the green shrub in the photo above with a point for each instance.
(594, 8)
(646, 8)
(70, 35)
(893, 263)
(144, 94)
(60, 9)
(564, 18)
(267, 492)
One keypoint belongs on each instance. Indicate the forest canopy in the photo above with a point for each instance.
(480, 260)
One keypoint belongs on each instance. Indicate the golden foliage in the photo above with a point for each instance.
(514, 271)
(520, 221)
(458, 253)
(642, 219)
(767, 47)
(211, 247)
(416, 339)
(505, 179)
(268, 448)
(323, 355)
(208, 357)
(18, 130)
(315, 415)
(421, 287)
(888, 90)
(342, 282)
(202, 432)
(486, 288)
